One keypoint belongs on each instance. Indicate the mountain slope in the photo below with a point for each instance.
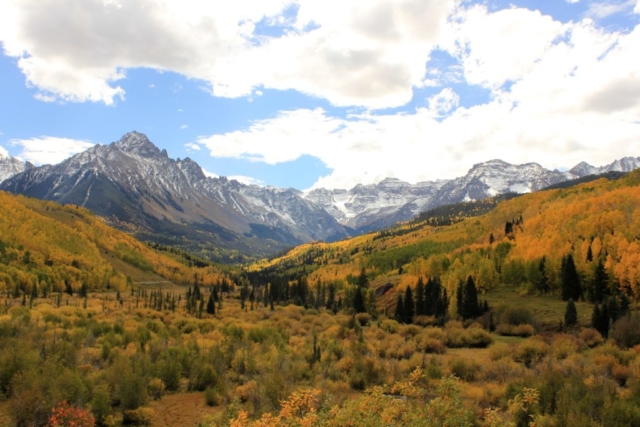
(137, 187)
(372, 207)
(45, 244)
(598, 221)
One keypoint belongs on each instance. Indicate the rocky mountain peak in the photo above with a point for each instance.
(10, 166)
(138, 143)
(583, 169)
(191, 169)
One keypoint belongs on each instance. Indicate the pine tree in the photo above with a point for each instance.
(460, 300)
(67, 287)
(211, 305)
(570, 280)
(470, 306)
(589, 254)
(409, 307)
(358, 301)
(600, 283)
(399, 316)
(420, 298)
(570, 314)
(441, 306)
(543, 281)
(600, 319)
(82, 293)
(363, 280)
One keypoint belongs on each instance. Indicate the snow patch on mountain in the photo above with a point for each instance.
(10, 166)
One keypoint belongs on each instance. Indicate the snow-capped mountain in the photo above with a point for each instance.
(134, 184)
(10, 166)
(365, 204)
(626, 164)
(376, 206)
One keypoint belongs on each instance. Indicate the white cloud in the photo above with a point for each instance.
(573, 1)
(49, 149)
(209, 174)
(370, 53)
(3, 152)
(604, 9)
(574, 96)
(183, 127)
(192, 147)
(247, 180)
(637, 8)
(502, 46)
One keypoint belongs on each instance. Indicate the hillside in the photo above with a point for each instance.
(299, 337)
(50, 247)
(597, 222)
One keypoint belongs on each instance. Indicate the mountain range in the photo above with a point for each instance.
(135, 186)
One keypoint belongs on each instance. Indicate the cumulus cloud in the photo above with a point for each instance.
(502, 46)
(637, 8)
(247, 180)
(192, 147)
(3, 152)
(574, 95)
(369, 53)
(49, 149)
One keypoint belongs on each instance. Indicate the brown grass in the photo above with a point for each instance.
(183, 409)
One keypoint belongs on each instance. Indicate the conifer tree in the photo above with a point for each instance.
(460, 299)
(441, 306)
(409, 308)
(570, 314)
(430, 297)
(543, 281)
(363, 280)
(600, 283)
(470, 306)
(211, 305)
(82, 293)
(600, 319)
(420, 298)
(358, 301)
(399, 316)
(571, 287)
(67, 287)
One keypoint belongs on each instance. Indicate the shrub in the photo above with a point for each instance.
(626, 331)
(464, 369)
(523, 330)
(432, 345)
(65, 415)
(590, 337)
(499, 351)
(515, 315)
(212, 397)
(156, 388)
(563, 345)
(531, 351)
(139, 417)
(363, 318)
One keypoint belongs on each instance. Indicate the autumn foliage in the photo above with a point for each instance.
(65, 415)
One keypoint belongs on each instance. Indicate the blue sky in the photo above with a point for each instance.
(305, 93)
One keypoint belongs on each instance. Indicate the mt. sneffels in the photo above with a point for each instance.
(137, 187)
